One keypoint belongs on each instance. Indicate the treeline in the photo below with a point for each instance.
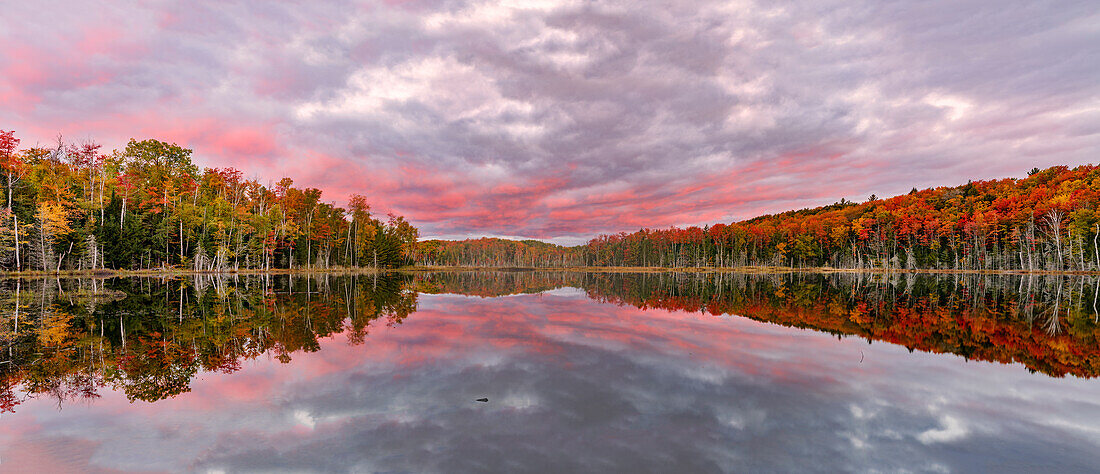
(71, 207)
(494, 252)
(1045, 222)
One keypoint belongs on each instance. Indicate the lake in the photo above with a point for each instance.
(536, 371)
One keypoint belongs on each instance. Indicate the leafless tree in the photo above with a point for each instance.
(1053, 220)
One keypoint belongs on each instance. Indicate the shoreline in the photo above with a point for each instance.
(163, 272)
(747, 270)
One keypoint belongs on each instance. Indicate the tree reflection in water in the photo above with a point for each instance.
(148, 338)
(1047, 323)
(67, 339)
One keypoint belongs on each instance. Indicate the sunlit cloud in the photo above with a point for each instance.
(562, 119)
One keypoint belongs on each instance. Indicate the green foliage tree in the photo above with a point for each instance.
(149, 206)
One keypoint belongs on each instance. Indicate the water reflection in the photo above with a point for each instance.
(149, 337)
(67, 339)
(380, 374)
(1047, 323)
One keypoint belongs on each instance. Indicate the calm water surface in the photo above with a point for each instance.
(596, 372)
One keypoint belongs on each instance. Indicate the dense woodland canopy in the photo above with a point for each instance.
(71, 207)
(1045, 222)
(494, 252)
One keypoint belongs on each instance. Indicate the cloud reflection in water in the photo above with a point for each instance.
(578, 385)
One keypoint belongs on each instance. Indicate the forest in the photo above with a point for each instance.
(1045, 222)
(495, 252)
(148, 206)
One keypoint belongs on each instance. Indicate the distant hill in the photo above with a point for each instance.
(495, 252)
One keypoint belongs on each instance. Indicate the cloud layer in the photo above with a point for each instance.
(561, 119)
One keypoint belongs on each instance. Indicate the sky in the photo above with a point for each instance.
(561, 120)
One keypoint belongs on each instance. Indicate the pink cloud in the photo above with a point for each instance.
(540, 146)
